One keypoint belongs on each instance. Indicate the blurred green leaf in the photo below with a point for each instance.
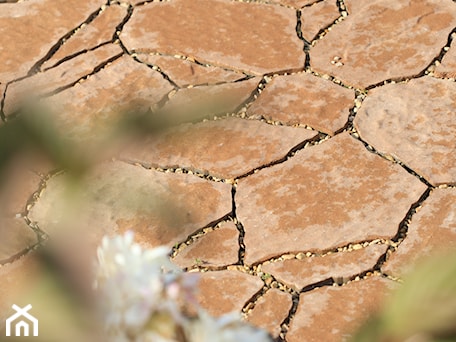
(422, 309)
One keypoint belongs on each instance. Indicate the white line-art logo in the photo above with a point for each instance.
(22, 324)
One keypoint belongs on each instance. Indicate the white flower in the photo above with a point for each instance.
(132, 284)
(142, 293)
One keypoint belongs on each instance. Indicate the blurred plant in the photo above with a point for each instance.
(423, 309)
(145, 297)
(32, 131)
(31, 139)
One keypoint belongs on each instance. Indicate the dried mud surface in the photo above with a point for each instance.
(328, 169)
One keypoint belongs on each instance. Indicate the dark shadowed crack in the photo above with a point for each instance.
(242, 108)
(342, 8)
(285, 324)
(270, 282)
(325, 282)
(390, 158)
(303, 254)
(270, 122)
(42, 237)
(119, 28)
(324, 31)
(275, 284)
(34, 197)
(145, 2)
(241, 252)
(334, 80)
(78, 53)
(306, 47)
(318, 139)
(197, 235)
(348, 126)
(179, 169)
(312, 3)
(251, 302)
(155, 68)
(239, 227)
(201, 85)
(403, 229)
(2, 104)
(442, 53)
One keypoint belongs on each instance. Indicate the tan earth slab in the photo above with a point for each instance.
(321, 197)
(270, 311)
(354, 6)
(40, 164)
(432, 231)
(161, 208)
(209, 100)
(29, 29)
(334, 313)
(317, 17)
(385, 40)
(221, 292)
(224, 148)
(16, 188)
(415, 123)
(342, 265)
(15, 236)
(223, 33)
(216, 248)
(90, 106)
(99, 31)
(60, 76)
(185, 72)
(447, 69)
(304, 99)
(17, 279)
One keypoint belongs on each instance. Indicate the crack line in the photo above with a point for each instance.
(37, 66)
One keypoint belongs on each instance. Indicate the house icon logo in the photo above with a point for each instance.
(21, 320)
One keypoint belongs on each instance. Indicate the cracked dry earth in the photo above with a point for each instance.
(328, 171)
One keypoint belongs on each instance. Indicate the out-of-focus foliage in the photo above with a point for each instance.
(33, 132)
(58, 289)
(423, 309)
